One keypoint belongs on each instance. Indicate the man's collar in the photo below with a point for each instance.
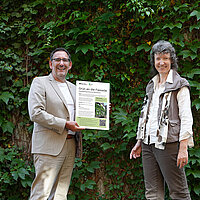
(51, 78)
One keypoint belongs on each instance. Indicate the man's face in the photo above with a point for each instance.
(60, 64)
(162, 63)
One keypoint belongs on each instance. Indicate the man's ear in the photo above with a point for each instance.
(70, 65)
(50, 64)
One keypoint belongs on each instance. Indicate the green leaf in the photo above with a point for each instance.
(148, 13)
(195, 13)
(2, 155)
(87, 31)
(5, 17)
(176, 8)
(196, 103)
(171, 25)
(136, 33)
(188, 53)
(16, 45)
(192, 73)
(27, 41)
(122, 146)
(194, 84)
(196, 173)
(15, 175)
(8, 127)
(197, 189)
(98, 62)
(195, 48)
(49, 25)
(85, 47)
(131, 50)
(36, 52)
(145, 46)
(120, 116)
(95, 164)
(106, 146)
(22, 172)
(195, 26)
(90, 169)
(178, 25)
(6, 96)
(18, 83)
(70, 43)
(73, 31)
(1, 120)
(26, 183)
(90, 184)
(82, 187)
(195, 152)
(71, 197)
(107, 16)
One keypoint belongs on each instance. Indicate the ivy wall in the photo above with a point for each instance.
(110, 41)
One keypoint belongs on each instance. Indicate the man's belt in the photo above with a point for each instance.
(70, 136)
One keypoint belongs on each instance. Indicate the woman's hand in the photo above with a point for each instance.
(182, 158)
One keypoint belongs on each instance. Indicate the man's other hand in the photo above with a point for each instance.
(73, 126)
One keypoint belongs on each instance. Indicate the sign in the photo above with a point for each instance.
(92, 105)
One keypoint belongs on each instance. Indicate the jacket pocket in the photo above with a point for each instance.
(174, 127)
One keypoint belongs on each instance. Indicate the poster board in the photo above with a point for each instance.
(92, 105)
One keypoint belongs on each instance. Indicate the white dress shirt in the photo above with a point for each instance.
(70, 103)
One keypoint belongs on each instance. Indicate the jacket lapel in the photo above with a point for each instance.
(72, 92)
(57, 90)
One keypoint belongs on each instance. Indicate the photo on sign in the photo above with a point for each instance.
(100, 110)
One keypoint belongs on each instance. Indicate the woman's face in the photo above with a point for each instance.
(162, 63)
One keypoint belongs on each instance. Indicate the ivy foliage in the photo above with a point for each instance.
(14, 174)
(110, 41)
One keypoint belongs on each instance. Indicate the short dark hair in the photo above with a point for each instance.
(59, 49)
(163, 47)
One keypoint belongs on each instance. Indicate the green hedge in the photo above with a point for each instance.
(110, 41)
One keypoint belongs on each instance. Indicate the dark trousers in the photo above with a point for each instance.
(160, 166)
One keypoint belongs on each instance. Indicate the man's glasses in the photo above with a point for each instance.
(65, 60)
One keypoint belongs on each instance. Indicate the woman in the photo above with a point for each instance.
(165, 127)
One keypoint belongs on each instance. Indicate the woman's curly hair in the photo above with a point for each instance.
(163, 47)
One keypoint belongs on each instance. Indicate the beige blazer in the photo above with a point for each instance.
(48, 110)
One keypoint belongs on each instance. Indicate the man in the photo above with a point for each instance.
(51, 105)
